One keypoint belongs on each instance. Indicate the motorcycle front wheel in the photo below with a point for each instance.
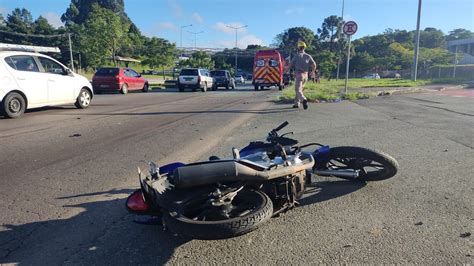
(372, 165)
(196, 218)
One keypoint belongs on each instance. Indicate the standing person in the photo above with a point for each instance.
(301, 62)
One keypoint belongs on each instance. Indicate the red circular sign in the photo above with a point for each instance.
(350, 28)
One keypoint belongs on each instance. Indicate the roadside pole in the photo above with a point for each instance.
(349, 28)
(347, 64)
(70, 52)
(417, 44)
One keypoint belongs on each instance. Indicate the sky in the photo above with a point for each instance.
(265, 18)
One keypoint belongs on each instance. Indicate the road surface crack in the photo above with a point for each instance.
(448, 110)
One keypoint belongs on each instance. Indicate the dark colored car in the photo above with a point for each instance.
(222, 78)
(110, 79)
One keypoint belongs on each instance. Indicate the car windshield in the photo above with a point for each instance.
(217, 73)
(189, 72)
(107, 72)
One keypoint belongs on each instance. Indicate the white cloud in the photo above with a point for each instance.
(197, 18)
(294, 11)
(242, 42)
(177, 10)
(224, 27)
(54, 19)
(164, 26)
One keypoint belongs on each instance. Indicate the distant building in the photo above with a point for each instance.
(465, 46)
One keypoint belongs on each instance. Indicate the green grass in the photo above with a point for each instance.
(331, 90)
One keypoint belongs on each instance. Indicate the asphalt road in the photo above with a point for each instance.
(65, 174)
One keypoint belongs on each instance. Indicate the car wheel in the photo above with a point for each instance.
(146, 88)
(14, 105)
(124, 89)
(84, 99)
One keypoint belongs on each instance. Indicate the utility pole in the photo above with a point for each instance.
(70, 52)
(236, 29)
(417, 45)
(181, 35)
(195, 36)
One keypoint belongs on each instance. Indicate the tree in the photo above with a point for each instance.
(20, 21)
(42, 26)
(330, 33)
(288, 39)
(326, 62)
(79, 10)
(432, 38)
(459, 34)
(198, 59)
(159, 53)
(103, 35)
(3, 25)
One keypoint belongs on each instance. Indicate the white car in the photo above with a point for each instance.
(31, 80)
(372, 76)
(239, 79)
(195, 78)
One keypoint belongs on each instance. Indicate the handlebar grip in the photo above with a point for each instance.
(280, 127)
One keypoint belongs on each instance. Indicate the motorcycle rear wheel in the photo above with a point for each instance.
(372, 165)
(252, 208)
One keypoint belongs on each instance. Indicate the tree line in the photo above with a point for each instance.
(101, 30)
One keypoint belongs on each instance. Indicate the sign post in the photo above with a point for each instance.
(349, 28)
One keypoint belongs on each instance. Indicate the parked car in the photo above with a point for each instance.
(222, 78)
(123, 80)
(372, 76)
(31, 80)
(195, 78)
(239, 79)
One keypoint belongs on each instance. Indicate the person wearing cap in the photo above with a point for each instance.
(302, 62)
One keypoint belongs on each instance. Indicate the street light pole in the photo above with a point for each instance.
(236, 29)
(417, 46)
(195, 36)
(181, 35)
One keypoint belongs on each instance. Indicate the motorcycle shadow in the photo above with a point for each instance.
(328, 189)
(103, 233)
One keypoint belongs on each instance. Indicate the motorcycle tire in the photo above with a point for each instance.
(363, 159)
(179, 222)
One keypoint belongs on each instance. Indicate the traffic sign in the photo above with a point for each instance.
(349, 28)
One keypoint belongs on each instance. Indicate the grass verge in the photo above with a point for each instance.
(332, 90)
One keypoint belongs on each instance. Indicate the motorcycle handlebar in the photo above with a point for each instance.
(280, 127)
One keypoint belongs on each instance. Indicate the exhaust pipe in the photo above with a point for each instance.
(338, 173)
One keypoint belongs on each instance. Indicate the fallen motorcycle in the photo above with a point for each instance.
(223, 198)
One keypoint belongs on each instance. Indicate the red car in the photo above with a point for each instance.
(109, 79)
